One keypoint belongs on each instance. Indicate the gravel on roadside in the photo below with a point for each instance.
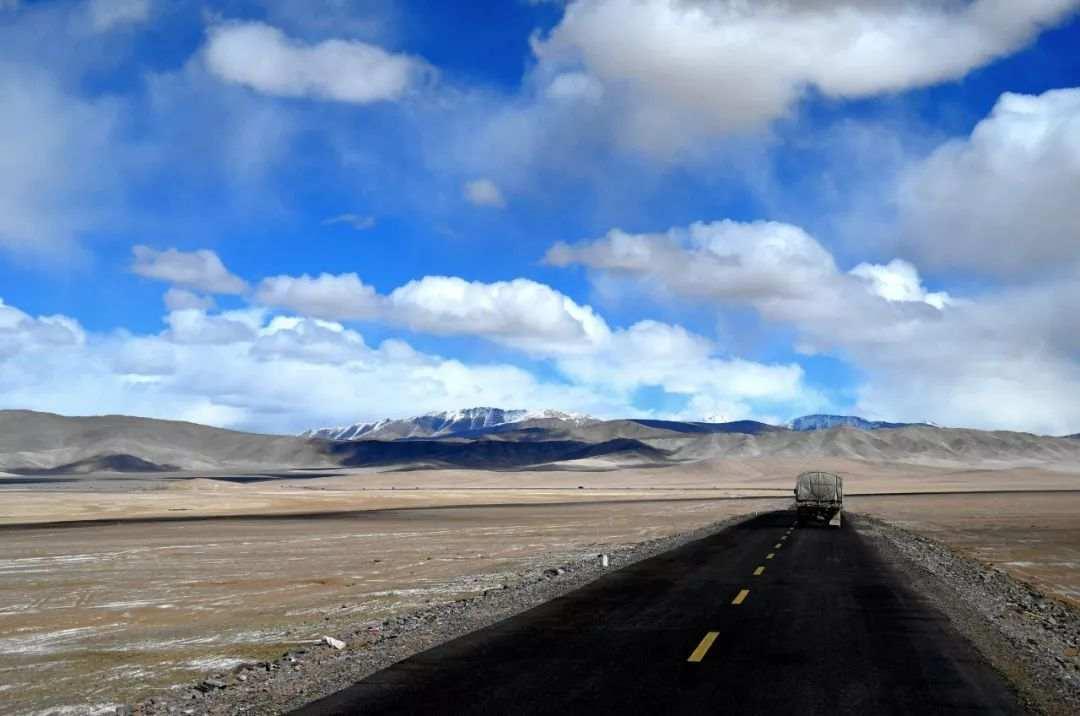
(1028, 636)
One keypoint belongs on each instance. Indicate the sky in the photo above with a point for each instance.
(273, 215)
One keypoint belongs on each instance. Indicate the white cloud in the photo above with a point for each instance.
(1005, 359)
(682, 68)
(47, 138)
(602, 367)
(483, 192)
(1002, 201)
(355, 221)
(574, 87)
(178, 299)
(201, 269)
(335, 297)
(286, 375)
(309, 340)
(899, 280)
(723, 259)
(654, 354)
(194, 326)
(143, 357)
(777, 269)
(252, 370)
(263, 58)
(20, 332)
(521, 313)
(107, 14)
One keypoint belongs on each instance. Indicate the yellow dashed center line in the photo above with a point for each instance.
(777, 545)
(703, 648)
(741, 597)
(758, 571)
(770, 555)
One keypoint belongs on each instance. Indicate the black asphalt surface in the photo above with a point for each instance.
(827, 627)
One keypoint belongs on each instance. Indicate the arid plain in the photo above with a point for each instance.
(118, 586)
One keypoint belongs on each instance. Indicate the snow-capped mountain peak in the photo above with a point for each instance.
(825, 422)
(441, 424)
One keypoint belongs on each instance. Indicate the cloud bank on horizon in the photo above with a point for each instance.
(290, 217)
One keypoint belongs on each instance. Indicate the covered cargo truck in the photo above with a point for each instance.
(819, 498)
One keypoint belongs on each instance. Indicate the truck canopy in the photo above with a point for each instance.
(819, 487)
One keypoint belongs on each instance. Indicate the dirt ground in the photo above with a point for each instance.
(1033, 536)
(205, 494)
(153, 594)
(95, 615)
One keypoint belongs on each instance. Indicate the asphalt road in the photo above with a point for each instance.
(762, 618)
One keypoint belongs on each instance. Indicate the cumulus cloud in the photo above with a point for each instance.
(248, 369)
(194, 326)
(286, 376)
(107, 14)
(776, 268)
(309, 340)
(719, 66)
(337, 297)
(1002, 201)
(20, 331)
(543, 323)
(600, 366)
(178, 299)
(483, 192)
(574, 87)
(654, 354)
(202, 269)
(520, 313)
(899, 280)
(723, 259)
(991, 360)
(264, 59)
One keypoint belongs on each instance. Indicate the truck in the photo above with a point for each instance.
(819, 499)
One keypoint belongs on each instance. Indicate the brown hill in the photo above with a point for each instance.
(32, 442)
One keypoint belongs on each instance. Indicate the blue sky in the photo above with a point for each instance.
(271, 215)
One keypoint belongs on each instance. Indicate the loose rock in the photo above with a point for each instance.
(332, 642)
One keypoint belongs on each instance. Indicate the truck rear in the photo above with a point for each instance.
(819, 498)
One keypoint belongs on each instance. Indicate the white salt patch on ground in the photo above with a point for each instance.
(78, 710)
(1068, 565)
(54, 641)
(124, 605)
(213, 663)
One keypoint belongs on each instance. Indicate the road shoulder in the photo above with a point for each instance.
(1027, 636)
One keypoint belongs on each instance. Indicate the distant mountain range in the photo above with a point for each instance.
(40, 446)
(474, 422)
